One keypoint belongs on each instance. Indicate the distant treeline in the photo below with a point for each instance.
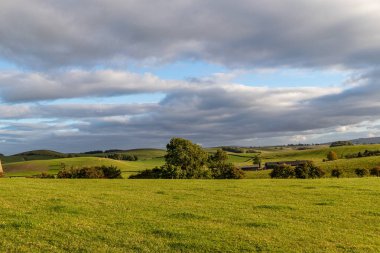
(341, 143)
(102, 152)
(364, 154)
(238, 150)
(122, 157)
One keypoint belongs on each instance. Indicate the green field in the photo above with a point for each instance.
(325, 215)
(27, 164)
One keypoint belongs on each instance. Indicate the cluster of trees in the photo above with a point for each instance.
(110, 172)
(307, 170)
(122, 157)
(233, 149)
(360, 172)
(186, 160)
(364, 154)
(341, 143)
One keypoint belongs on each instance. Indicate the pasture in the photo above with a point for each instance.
(27, 164)
(325, 215)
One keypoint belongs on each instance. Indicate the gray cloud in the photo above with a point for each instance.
(316, 33)
(33, 86)
(212, 115)
(78, 49)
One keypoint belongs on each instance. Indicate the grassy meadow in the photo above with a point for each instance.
(47, 161)
(325, 215)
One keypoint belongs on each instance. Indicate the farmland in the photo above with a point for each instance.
(325, 215)
(22, 165)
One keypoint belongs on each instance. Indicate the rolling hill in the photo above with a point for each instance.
(34, 162)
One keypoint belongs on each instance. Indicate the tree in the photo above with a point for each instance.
(257, 160)
(282, 171)
(220, 157)
(331, 156)
(221, 169)
(190, 158)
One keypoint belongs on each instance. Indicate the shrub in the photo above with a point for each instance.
(163, 172)
(282, 171)
(361, 172)
(336, 173)
(314, 171)
(375, 171)
(148, 174)
(43, 175)
(90, 172)
(110, 172)
(227, 171)
(331, 156)
(301, 172)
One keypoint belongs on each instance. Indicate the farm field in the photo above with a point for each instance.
(44, 161)
(325, 215)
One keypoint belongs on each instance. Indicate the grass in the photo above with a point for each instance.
(53, 166)
(150, 158)
(329, 215)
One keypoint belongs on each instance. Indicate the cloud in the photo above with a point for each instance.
(18, 86)
(65, 51)
(245, 33)
(210, 113)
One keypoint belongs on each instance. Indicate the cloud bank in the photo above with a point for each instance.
(70, 53)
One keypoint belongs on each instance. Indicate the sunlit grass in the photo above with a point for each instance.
(328, 215)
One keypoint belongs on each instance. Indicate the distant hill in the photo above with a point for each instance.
(373, 140)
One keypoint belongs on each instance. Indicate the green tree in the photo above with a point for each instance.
(219, 157)
(221, 169)
(190, 158)
(257, 160)
(331, 156)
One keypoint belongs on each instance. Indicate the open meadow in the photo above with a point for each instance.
(324, 215)
(47, 161)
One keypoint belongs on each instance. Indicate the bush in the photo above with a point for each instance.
(148, 174)
(375, 171)
(90, 172)
(282, 171)
(308, 170)
(111, 172)
(331, 156)
(227, 171)
(336, 173)
(301, 172)
(361, 172)
(163, 172)
(44, 175)
(314, 171)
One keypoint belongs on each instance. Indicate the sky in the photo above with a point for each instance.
(86, 75)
